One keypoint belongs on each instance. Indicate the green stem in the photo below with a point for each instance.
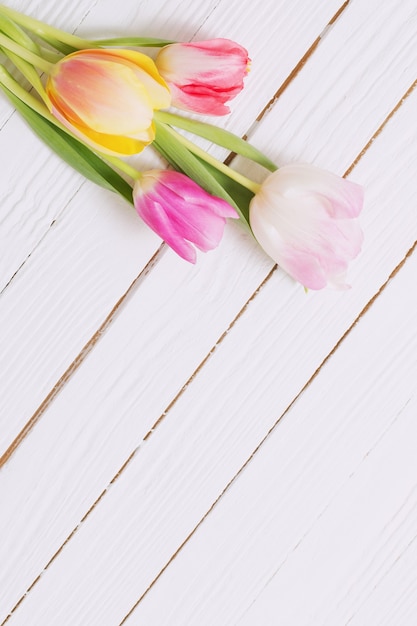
(21, 93)
(13, 31)
(17, 90)
(31, 75)
(202, 154)
(122, 166)
(13, 86)
(44, 31)
(24, 53)
(50, 55)
(217, 135)
(139, 42)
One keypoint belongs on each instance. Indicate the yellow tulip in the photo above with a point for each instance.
(107, 98)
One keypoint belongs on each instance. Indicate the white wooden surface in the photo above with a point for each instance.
(210, 445)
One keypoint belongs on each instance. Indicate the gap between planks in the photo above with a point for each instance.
(73, 367)
(270, 431)
(293, 74)
(77, 362)
(82, 355)
(297, 69)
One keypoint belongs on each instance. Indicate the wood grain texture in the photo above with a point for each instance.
(32, 244)
(323, 519)
(341, 98)
(35, 185)
(300, 321)
(226, 430)
(61, 15)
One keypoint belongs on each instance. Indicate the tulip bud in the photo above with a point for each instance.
(203, 75)
(181, 212)
(305, 219)
(107, 98)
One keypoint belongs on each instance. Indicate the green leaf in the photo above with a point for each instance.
(217, 135)
(204, 175)
(141, 42)
(240, 195)
(12, 30)
(75, 153)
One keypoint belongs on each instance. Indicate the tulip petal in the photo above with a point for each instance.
(197, 100)
(181, 212)
(154, 215)
(107, 98)
(147, 73)
(108, 144)
(193, 194)
(204, 75)
(346, 197)
(80, 78)
(191, 222)
(305, 219)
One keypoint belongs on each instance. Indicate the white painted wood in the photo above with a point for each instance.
(155, 19)
(62, 347)
(32, 204)
(119, 422)
(57, 297)
(63, 15)
(60, 484)
(343, 88)
(320, 526)
(258, 369)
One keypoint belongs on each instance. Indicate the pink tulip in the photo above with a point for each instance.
(305, 219)
(204, 75)
(107, 98)
(181, 212)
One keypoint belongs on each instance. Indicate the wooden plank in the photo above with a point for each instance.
(65, 297)
(29, 202)
(319, 528)
(61, 348)
(343, 88)
(30, 242)
(129, 536)
(29, 226)
(59, 14)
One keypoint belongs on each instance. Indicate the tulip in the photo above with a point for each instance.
(305, 220)
(181, 212)
(107, 98)
(204, 75)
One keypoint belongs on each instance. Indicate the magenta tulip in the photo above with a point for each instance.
(181, 212)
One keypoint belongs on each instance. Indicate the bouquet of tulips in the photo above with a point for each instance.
(98, 102)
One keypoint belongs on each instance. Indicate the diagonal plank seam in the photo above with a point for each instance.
(161, 418)
(72, 368)
(41, 239)
(82, 355)
(292, 75)
(273, 427)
